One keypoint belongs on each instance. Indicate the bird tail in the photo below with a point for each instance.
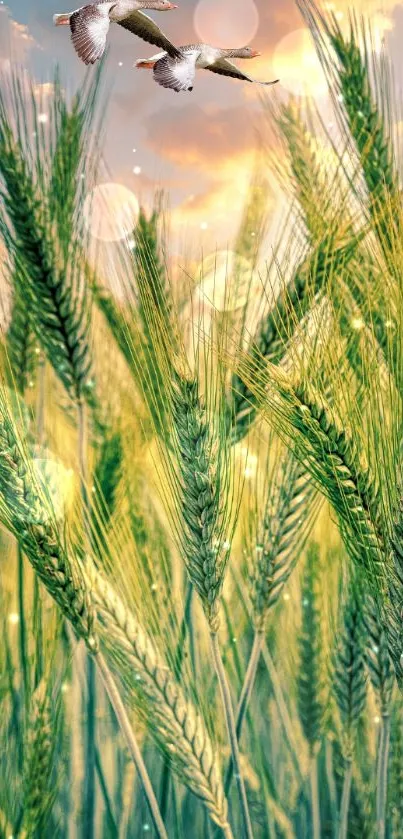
(61, 20)
(145, 64)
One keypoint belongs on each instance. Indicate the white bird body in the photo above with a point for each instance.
(178, 73)
(89, 25)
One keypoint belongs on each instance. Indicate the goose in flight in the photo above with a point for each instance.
(89, 26)
(178, 73)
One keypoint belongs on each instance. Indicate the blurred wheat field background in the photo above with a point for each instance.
(201, 495)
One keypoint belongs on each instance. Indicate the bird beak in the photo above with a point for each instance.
(172, 6)
(255, 53)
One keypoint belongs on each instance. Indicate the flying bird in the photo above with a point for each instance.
(178, 72)
(89, 25)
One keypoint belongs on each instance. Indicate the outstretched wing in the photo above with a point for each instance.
(145, 28)
(177, 74)
(89, 27)
(227, 68)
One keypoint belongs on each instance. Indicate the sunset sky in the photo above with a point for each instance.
(200, 146)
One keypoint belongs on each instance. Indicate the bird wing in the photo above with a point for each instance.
(227, 68)
(89, 27)
(141, 25)
(177, 74)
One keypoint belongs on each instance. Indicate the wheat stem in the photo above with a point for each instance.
(276, 685)
(88, 827)
(313, 778)
(249, 681)
(231, 728)
(382, 775)
(331, 782)
(244, 698)
(345, 799)
(124, 723)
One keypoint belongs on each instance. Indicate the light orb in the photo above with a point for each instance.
(227, 23)
(111, 212)
(297, 65)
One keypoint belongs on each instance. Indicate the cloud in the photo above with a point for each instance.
(16, 40)
(202, 136)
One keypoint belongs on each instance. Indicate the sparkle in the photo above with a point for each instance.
(286, 596)
(203, 225)
(134, 151)
(14, 618)
(377, 720)
(43, 118)
(357, 323)
(65, 687)
(120, 64)
(136, 170)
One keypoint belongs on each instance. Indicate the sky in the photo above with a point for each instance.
(199, 147)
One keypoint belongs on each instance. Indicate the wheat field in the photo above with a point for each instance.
(201, 492)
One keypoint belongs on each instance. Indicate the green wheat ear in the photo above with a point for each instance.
(200, 469)
(59, 317)
(310, 680)
(281, 537)
(26, 512)
(349, 678)
(395, 797)
(38, 785)
(21, 344)
(394, 608)
(275, 329)
(380, 667)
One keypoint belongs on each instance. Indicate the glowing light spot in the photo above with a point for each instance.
(14, 618)
(357, 323)
(203, 225)
(286, 596)
(227, 281)
(43, 118)
(65, 687)
(120, 64)
(137, 170)
(377, 720)
(110, 212)
(229, 23)
(297, 65)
